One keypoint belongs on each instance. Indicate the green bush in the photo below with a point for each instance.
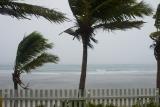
(138, 104)
(99, 105)
(40, 106)
(109, 105)
(148, 104)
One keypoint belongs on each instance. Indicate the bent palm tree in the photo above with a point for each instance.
(155, 36)
(91, 15)
(30, 55)
(22, 10)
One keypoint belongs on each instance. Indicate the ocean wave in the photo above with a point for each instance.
(89, 72)
(97, 72)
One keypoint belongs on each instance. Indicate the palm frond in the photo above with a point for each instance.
(10, 12)
(22, 10)
(157, 18)
(98, 4)
(122, 11)
(76, 7)
(155, 36)
(39, 61)
(119, 25)
(30, 46)
(73, 31)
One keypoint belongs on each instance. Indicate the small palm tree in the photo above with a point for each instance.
(31, 53)
(92, 15)
(22, 10)
(155, 36)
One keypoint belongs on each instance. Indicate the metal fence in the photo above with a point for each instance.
(73, 98)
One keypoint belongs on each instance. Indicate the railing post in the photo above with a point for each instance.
(88, 97)
(157, 97)
(15, 98)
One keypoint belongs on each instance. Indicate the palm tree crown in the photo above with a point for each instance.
(31, 53)
(23, 10)
(92, 15)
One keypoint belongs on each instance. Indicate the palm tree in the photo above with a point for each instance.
(31, 53)
(109, 15)
(22, 10)
(155, 36)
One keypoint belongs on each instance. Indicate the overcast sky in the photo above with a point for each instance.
(118, 47)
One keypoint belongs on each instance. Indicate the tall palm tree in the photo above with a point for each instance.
(92, 15)
(23, 10)
(31, 53)
(155, 36)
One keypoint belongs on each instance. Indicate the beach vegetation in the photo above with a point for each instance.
(138, 104)
(99, 105)
(40, 106)
(155, 36)
(21, 10)
(107, 15)
(147, 104)
(31, 53)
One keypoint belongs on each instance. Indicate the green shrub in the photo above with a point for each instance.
(110, 105)
(40, 106)
(151, 104)
(99, 105)
(148, 104)
(138, 104)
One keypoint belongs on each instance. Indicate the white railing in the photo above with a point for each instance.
(70, 98)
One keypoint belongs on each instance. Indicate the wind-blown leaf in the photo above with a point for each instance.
(157, 17)
(30, 46)
(22, 10)
(120, 25)
(121, 12)
(74, 31)
(155, 36)
(39, 61)
(71, 31)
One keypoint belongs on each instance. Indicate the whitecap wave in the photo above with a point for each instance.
(95, 72)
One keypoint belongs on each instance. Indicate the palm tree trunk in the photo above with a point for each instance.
(158, 77)
(83, 68)
(15, 86)
(15, 89)
(14, 76)
(158, 74)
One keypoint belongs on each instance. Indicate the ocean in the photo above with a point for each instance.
(52, 76)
